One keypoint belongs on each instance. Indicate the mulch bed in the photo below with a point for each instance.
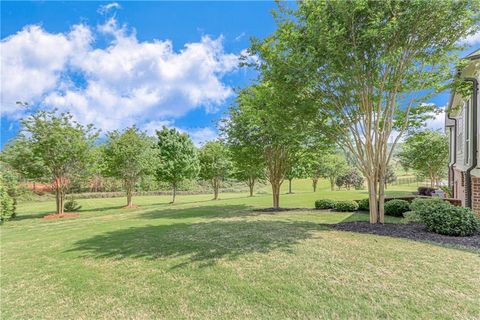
(60, 216)
(408, 231)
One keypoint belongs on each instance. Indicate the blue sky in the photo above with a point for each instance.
(134, 34)
(145, 63)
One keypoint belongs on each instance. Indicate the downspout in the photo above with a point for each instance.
(454, 154)
(468, 173)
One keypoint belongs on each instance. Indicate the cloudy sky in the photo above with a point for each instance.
(118, 64)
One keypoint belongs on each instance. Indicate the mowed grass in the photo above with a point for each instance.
(224, 260)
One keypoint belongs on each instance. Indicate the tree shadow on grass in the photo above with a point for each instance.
(207, 212)
(200, 243)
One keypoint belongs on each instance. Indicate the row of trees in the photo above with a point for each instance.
(56, 147)
(356, 73)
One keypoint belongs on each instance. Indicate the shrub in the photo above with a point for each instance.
(324, 204)
(427, 206)
(452, 221)
(7, 207)
(363, 205)
(396, 207)
(443, 218)
(72, 206)
(412, 217)
(346, 206)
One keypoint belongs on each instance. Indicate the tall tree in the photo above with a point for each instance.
(297, 171)
(246, 153)
(128, 155)
(177, 157)
(369, 66)
(215, 164)
(54, 147)
(262, 118)
(332, 166)
(426, 153)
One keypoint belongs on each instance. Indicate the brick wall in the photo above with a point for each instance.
(476, 194)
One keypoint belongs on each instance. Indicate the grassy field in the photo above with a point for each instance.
(224, 260)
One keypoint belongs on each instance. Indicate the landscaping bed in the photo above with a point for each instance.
(411, 231)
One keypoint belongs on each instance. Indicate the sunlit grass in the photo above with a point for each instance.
(224, 260)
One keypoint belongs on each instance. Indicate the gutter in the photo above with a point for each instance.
(454, 153)
(468, 173)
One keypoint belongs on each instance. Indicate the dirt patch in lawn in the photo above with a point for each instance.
(60, 216)
(408, 231)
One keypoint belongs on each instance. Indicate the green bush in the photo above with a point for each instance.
(452, 221)
(412, 217)
(72, 206)
(396, 207)
(325, 204)
(364, 204)
(443, 218)
(346, 205)
(7, 207)
(425, 206)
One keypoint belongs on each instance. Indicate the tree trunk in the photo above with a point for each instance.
(129, 191)
(381, 200)
(174, 192)
(332, 184)
(372, 199)
(276, 195)
(289, 186)
(59, 195)
(215, 184)
(129, 199)
(251, 184)
(314, 184)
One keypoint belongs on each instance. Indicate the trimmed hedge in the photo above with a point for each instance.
(364, 204)
(325, 204)
(443, 218)
(346, 206)
(396, 207)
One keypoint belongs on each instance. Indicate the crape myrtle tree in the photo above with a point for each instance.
(426, 153)
(297, 171)
(215, 164)
(331, 166)
(52, 146)
(128, 155)
(369, 66)
(177, 158)
(246, 154)
(262, 117)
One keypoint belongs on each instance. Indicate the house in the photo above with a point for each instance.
(462, 122)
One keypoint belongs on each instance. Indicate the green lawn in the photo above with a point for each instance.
(223, 260)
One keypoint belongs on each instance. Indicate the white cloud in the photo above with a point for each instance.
(472, 39)
(201, 135)
(438, 122)
(129, 81)
(33, 60)
(152, 126)
(106, 8)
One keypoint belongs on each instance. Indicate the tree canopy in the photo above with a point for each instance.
(128, 155)
(177, 157)
(369, 67)
(426, 153)
(215, 164)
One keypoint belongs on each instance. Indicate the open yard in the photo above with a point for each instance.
(225, 260)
